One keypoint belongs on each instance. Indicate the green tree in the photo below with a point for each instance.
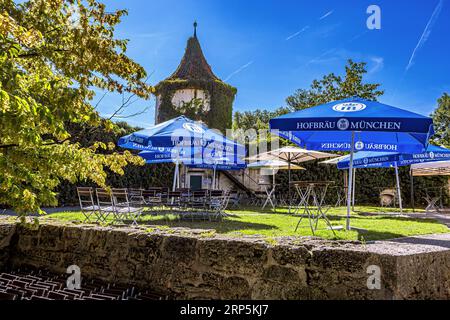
(53, 54)
(256, 119)
(441, 121)
(333, 87)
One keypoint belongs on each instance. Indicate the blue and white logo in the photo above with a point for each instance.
(193, 127)
(349, 107)
(359, 146)
(431, 155)
(366, 161)
(343, 124)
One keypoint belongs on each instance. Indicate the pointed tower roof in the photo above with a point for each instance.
(193, 66)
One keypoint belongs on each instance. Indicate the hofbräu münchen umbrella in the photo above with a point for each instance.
(355, 124)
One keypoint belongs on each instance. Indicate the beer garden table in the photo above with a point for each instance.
(312, 200)
(269, 188)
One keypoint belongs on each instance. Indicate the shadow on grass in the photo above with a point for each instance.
(411, 219)
(424, 241)
(224, 226)
(372, 235)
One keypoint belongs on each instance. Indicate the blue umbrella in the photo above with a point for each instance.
(194, 160)
(369, 159)
(355, 123)
(179, 132)
(184, 141)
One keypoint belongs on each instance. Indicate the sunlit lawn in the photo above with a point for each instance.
(253, 221)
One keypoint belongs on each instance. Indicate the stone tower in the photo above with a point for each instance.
(195, 91)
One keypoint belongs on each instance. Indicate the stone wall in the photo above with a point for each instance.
(201, 265)
(7, 230)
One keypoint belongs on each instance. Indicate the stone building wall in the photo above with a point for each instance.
(197, 264)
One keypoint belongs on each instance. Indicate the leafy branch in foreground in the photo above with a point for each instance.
(49, 67)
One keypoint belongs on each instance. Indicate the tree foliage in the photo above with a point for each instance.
(441, 121)
(135, 176)
(334, 87)
(256, 119)
(53, 54)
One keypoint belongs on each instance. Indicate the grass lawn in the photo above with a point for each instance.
(250, 221)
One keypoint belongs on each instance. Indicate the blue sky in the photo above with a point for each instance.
(268, 49)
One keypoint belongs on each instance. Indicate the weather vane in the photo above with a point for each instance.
(195, 29)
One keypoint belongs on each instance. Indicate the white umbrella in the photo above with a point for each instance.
(273, 165)
(438, 168)
(291, 155)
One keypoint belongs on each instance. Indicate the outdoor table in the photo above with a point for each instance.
(433, 196)
(341, 195)
(312, 198)
(269, 188)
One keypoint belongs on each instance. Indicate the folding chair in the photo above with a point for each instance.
(105, 204)
(135, 194)
(235, 199)
(123, 208)
(185, 197)
(153, 197)
(198, 203)
(174, 199)
(218, 202)
(87, 205)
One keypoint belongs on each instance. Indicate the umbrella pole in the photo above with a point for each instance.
(350, 181)
(289, 193)
(179, 178)
(353, 189)
(214, 179)
(398, 188)
(175, 175)
(273, 183)
(411, 181)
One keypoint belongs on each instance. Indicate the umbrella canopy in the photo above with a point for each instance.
(184, 141)
(175, 154)
(355, 124)
(194, 158)
(273, 165)
(334, 160)
(376, 127)
(367, 159)
(291, 154)
(439, 168)
(180, 131)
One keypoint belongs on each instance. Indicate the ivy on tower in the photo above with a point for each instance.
(195, 91)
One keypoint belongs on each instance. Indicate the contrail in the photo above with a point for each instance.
(297, 33)
(426, 33)
(326, 14)
(320, 56)
(238, 70)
